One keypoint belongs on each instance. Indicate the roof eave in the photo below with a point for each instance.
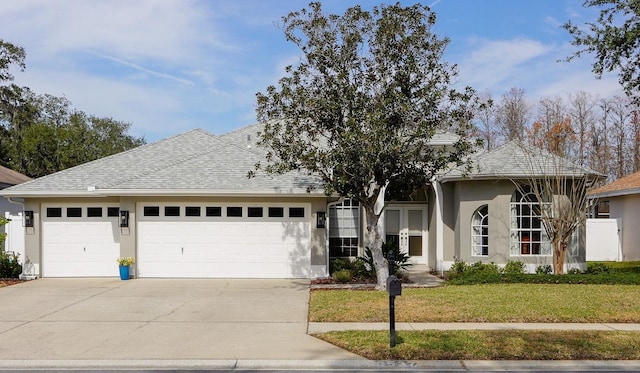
(615, 193)
(298, 192)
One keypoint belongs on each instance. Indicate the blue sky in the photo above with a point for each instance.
(168, 66)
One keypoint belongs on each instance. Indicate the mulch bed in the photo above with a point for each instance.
(9, 281)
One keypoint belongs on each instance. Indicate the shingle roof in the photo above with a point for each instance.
(10, 177)
(195, 162)
(629, 184)
(512, 160)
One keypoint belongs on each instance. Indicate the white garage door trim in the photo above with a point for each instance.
(80, 246)
(267, 246)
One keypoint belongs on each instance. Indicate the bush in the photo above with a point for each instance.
(458, 268)
(514, 267)
(9, 266)
(400, 259)
(597, 268)
(574, 271)
(343, 276)
(545, 269)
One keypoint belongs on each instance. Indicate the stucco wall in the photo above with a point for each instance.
(467, 197)
(628, 209)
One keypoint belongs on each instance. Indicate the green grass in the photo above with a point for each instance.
(490, 345)
(483, 303)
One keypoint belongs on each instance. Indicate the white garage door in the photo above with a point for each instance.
(223, 241)
(80, 240)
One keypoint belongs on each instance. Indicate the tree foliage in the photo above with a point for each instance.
(614, 38)
(361, 106)
(41, 133)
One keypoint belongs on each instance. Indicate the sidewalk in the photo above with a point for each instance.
(323, 327)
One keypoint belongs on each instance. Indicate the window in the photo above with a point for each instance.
(254, 212)
(94, 212)
(54, 212)
(235, 212)
(480, 232)
(192, 211)
(296, 212)
(151, 211)
(344, 223)
(276, 212)
(113, 211)
(213, 211)
(74, 212)
(601, 210)
(172, 211)
(528, 236)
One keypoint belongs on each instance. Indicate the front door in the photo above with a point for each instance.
(407, 227)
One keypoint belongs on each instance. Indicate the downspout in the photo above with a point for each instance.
(326, 244)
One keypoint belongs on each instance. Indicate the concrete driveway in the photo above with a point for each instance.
(110, 319)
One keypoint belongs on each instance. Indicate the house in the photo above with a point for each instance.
(184, 207)
(621, 200)
(10, 178)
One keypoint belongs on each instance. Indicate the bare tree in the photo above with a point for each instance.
(485, 126)
(552, 130)
(557, 189)
(620, 120)
(583, 117)
(512, 114)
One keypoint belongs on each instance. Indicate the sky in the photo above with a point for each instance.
(169, 66)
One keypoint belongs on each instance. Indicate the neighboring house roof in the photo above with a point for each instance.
(514, 160)
(9, 177)
(629, 184)
(193, 163)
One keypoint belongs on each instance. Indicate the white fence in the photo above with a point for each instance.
(604, 240)
(15, 236)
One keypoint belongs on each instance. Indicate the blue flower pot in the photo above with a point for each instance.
(124, 272)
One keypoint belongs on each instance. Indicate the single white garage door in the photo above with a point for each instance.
(223, 241)
(80, 240)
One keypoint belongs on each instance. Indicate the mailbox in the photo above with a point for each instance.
(394, 286)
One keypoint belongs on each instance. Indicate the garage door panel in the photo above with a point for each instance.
(80, 247)
(222, 247)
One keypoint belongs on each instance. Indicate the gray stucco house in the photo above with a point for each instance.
(184, 207)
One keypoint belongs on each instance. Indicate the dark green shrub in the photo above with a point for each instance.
(458, 268)
(9, 266)
(400, 259)
(597, 268)
(574, 271)
(343, 276)
(544, 269)
(514, 267)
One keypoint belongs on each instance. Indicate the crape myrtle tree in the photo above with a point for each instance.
(360, 107)
(556, 188)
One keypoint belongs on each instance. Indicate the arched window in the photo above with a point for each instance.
(480, 232)
(528, 236)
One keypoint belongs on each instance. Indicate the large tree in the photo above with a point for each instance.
(614, 38)
(360, 107)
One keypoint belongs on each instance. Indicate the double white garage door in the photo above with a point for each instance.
(183, 240)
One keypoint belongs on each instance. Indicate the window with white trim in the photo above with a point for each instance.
(480, 231)
(344, 224)
(528, 235)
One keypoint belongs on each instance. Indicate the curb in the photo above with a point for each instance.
(360, 365)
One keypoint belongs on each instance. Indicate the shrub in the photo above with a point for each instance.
(544, 269)
(342, 276)
(400, 259)
(597, 268)
(514, 267)
(574, 271)
(458, 268)
(9, 266)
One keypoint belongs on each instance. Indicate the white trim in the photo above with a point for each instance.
(439, 225)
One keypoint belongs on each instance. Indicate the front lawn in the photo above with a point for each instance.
(483, 303)
(490, 345)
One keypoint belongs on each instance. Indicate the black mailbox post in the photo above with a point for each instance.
(394, 288)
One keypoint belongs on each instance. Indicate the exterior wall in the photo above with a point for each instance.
(432, 227)
(627, 208)
(128, 236)
(469, 195)
(449, 218)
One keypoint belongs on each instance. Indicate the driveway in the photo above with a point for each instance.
(110, 319)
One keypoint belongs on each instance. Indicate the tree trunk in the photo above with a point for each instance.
(374, 242)
(559, 252)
